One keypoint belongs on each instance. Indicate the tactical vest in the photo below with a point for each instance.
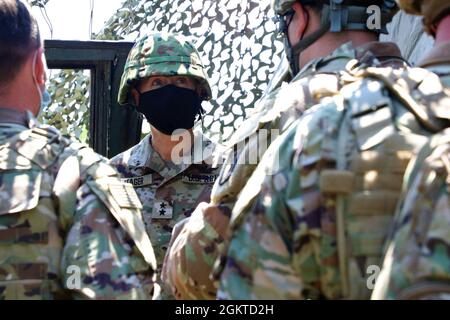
(373, 154)
(31, 235)
(425, 279)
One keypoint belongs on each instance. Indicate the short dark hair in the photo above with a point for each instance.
(19, 36)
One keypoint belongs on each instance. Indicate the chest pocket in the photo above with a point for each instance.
(19, 190)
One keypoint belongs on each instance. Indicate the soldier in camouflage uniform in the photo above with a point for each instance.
(165, 80)
(312, 219)
(326, 47)
(417, 261)
(69, 228)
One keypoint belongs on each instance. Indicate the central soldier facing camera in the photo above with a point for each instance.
(171, 168)
(322, 39)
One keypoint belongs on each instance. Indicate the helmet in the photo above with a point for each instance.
(336, 16)
(431, 10)
(162, 54)
(281, 7)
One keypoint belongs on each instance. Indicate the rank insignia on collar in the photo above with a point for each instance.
(162, 210)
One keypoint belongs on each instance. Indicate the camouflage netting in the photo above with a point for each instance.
(38, 3)
(237, 44)
(235, 38)
(69, 109)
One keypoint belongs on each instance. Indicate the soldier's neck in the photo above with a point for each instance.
(170, 146)
(443, 31)
(17, 103)
(21, 93)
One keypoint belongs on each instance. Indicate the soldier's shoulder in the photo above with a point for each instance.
(42, 145)
(435, 156)
(135, 156)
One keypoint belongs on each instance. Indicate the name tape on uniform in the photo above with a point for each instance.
(139, 181)
(199, 178)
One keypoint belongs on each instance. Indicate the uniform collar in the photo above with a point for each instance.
(14, 117)
(384, 52)
(144, 156)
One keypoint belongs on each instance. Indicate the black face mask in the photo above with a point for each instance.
(170, 108)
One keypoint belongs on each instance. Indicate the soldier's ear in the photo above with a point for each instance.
(40, 67)
(299, 23)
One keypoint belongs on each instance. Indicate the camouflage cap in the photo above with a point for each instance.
(431, 10)
(162, 54)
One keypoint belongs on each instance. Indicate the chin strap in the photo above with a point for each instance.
(336, 17)
(293, 52)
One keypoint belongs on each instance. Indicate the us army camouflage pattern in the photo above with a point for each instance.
(169, 192)
(199, 242)
(162, 54)
(417, 260)
(311, 229)
(50, 230)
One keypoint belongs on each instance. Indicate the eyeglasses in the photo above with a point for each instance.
(284, 21)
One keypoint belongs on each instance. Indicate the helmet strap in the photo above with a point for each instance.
(335, 17)
(293, 52)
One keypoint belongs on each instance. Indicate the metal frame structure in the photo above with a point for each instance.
(113, 128)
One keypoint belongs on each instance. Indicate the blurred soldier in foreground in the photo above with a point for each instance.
(417, 261)
(313, 217)
(68, 227)
(171, 168)
(321, 38)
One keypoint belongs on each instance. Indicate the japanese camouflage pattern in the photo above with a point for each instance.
(57, 242)
(199, 241)
(417, 259)
(312, 229)
(162, 54)
(431, 10)
(169, 192)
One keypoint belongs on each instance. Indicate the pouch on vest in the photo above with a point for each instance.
(19, 190)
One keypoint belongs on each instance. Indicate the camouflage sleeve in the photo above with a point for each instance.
(100, 260)
(200, 241)
(195, 245)
(285, 246)
(417, 259)
(107, 253)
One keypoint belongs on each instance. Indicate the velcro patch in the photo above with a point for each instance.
(162, 210)
(125, 195)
